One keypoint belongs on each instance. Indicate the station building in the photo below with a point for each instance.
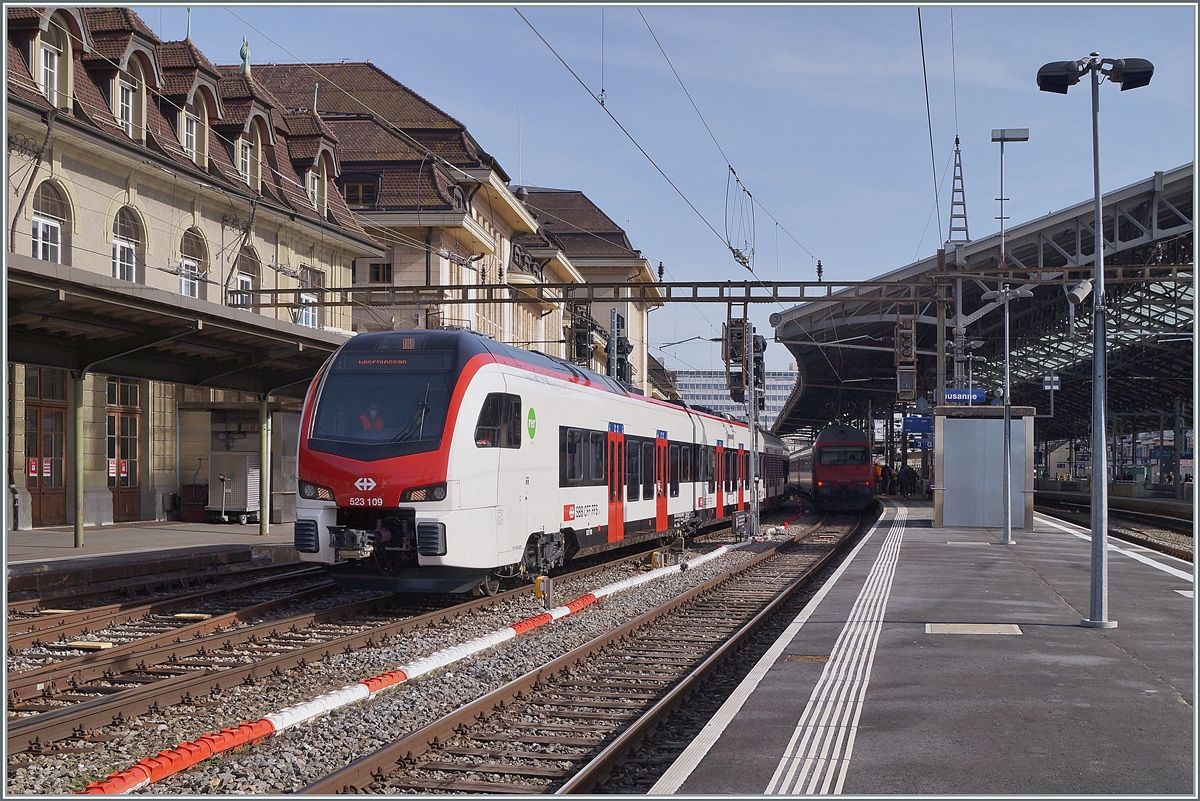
(156, 201)
(148, 189)
(454, 220)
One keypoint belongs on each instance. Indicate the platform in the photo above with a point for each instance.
(44, 561)
(938, 661)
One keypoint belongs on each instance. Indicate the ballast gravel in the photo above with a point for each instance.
(299, 756)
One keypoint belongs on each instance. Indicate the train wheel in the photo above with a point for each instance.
(489, 586)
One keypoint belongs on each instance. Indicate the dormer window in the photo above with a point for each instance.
(317, 187)
(49, 76)
(359, 193)
(244, 152)
(190, 127)
(52, 62)
(125, 95)
(249, 155)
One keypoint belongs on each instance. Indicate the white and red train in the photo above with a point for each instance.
(436, 461)
(836, 472)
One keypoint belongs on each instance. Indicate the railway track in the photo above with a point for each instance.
(562, 727)
(57, 708)
(1166, 535)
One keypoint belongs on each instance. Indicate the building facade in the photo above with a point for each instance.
(142, 174)
(708, 388)
(440, 204)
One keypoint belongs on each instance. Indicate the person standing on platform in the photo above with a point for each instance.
(908, 481)
(887, 477)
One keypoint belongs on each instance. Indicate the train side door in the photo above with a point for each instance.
(741, 478)
(616, 482)
(720, 493)
(661, 465)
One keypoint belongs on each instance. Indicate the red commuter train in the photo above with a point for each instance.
(836, 472)
(438, 461)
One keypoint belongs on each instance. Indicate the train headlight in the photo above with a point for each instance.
(315, 492)
(432, 492)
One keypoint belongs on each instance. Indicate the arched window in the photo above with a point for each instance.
(193, 263)
(49, 215)
(246, 277)
(127, 240)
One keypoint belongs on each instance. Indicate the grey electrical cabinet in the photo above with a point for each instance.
(234, 487)
(968, 464)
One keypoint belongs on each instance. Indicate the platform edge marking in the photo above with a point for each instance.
(854, 653)
(1135, 556)
(679, 771)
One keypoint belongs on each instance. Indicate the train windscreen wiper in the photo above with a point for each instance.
(417, 421)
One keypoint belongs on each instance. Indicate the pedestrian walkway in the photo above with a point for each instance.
(939, 661)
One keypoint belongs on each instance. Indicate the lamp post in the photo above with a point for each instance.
(1057, 77)
(1003, 135)
(1005, 294)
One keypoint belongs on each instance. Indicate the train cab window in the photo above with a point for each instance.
(596, 456)
(834, 456)
(633, 469)
(673, 460)
(685, 464)
(648, 471)
(573, 455)
(511, 424)
(499, 424)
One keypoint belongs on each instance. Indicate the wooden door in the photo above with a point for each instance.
(123, 465)
(45, 466)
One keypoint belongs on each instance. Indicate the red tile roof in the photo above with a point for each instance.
(579, 223)
(354, 88)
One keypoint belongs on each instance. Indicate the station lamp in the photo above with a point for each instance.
(1058, 77)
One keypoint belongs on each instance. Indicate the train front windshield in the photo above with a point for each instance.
(375, 405)
(843, 456)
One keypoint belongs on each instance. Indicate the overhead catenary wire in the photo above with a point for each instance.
(929, 120)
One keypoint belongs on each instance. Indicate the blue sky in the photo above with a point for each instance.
(820, 110)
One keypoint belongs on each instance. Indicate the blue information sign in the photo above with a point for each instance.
(918, 425)
(922, 444)
(965, 395)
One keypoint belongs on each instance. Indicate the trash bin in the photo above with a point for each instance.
(195, 498)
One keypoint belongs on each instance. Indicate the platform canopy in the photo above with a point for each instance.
(845, 351)
(65, 317)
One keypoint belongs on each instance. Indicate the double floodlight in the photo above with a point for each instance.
(1130, 73)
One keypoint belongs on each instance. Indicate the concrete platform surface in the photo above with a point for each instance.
(45, 562)
(939, 661)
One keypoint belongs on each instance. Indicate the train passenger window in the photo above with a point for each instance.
(648, 471)
(685, 463)
(573, 454)
(673, 460)
(596, 456)
(633, 469)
